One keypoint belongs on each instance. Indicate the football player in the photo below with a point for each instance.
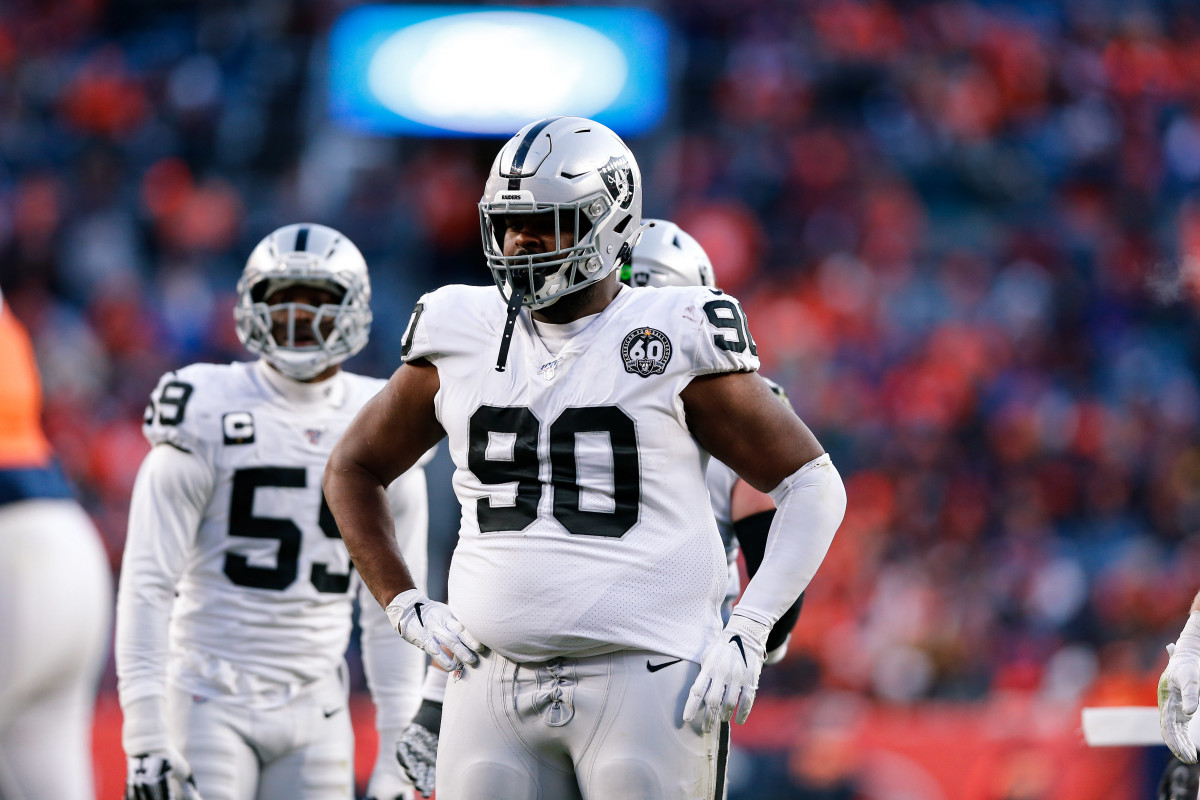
(1179, 688)
(56, 592)
(665, 255)
(235, 599)
(588, 561)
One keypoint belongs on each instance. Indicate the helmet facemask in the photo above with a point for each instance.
(573, 262)
(299, 339)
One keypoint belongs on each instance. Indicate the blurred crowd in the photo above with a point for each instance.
(966, 232)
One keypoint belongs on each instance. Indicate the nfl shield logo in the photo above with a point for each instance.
(314, 435)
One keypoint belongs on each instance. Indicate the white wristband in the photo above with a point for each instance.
(1189, 637)
(145, 726)
(434, 688)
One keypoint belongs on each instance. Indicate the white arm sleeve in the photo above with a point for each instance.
(169, 497)
(809, 506)
(393, 667)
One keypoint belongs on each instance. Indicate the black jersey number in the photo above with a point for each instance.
(503, 448)
(242, 522)
(172, 403)
(728, 316)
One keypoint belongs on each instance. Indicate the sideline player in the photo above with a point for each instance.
(665, 255)
(588, 560)
(234, 604)
(56, 592)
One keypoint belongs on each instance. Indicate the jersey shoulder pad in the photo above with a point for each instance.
(452, 320)
(187, 406)
(718, 334)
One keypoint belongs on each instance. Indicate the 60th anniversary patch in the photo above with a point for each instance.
(646, 352)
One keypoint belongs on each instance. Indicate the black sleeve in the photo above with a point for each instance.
(429, 716)
(752, 536)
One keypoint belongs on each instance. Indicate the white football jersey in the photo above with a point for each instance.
(586, 526)
(264, 595)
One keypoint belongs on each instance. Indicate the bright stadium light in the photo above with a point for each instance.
(436, 70)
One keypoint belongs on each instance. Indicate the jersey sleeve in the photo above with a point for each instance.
(169, 498)
(418, 336)
(723, 343)
(174, 415)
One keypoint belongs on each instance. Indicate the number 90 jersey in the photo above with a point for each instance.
(265, 585)
(586, 525)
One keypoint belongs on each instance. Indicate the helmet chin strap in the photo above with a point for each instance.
(514, 308)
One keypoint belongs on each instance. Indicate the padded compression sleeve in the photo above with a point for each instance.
(752, 532)
(809, 506)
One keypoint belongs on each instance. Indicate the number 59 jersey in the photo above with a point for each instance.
(586, 526)
(263, 582)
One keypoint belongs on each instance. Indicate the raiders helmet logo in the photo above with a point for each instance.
(646, 352)
(618, 179)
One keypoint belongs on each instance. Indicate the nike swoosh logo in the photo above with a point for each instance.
(417, 608)
(657, 667)
(737, 639)
(329, 714)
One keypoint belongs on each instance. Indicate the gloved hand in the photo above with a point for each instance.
(159, 775)
(729, 672)
(417, 749)
(432, 627)
(388, 781)
(1179, 691)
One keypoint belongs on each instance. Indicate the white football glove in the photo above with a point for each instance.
(417, 749)
(388, 781)
(729, 670)
(1179, 691)
(159, 775)
(432, 627)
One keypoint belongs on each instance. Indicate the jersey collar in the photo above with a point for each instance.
(329, 392)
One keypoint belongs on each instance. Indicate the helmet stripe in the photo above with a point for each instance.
(301, 240)
(514, 183)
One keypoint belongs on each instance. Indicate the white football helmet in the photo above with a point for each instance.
(666, 255)
(579, 171)
(310, 255)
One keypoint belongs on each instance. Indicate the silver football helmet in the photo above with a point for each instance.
(309, 255)
(582, 174)
(666, 255)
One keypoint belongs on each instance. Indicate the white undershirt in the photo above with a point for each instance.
(555, 336)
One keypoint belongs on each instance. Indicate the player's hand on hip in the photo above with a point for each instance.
(417, 753)
(729, 670)
(159, 775)
(432, 627)
(1179, 691)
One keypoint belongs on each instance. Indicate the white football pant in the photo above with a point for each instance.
(303, 750)
(56, 596)
(592, 728)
